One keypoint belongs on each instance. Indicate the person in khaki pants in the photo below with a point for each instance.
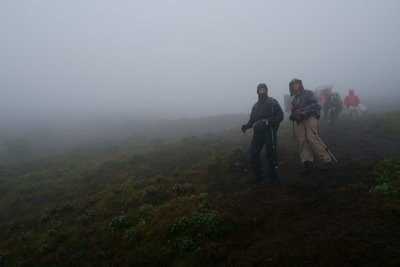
(306, 112)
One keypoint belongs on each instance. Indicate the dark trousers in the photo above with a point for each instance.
(333, 116)
(261, 138)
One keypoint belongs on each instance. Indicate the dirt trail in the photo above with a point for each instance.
(316, 220)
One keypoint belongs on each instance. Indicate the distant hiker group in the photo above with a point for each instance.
(305, 110)
(330, 102)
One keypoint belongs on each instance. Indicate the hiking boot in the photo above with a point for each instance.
(326, 166)
(307, 169)
(272, 177)
(256, 181)
(273, 182)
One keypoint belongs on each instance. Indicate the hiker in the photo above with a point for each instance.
(322, 92)
(306, 112)
(352, 103)
(265, 117)
(333, 106)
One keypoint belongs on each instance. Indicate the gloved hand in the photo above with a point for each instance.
(301, 115)
(297, 115)
(244, 128)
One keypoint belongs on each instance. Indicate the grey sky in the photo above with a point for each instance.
(188, 58)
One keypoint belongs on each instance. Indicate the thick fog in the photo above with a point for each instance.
(86, 60)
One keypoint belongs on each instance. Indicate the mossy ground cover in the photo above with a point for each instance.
(186, 203)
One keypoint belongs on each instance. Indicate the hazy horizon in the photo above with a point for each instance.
(81, 60)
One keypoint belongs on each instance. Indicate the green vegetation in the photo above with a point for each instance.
(150, 203)
(387, 175)
(68, 210)
(384, 190)
(384, 124)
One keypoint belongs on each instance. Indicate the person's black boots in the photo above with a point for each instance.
(272, 174)
(258, 181)
(326, 166)
(273, 180)
(307, 168)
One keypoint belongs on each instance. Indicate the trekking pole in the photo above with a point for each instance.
(275, 155)
(325, 147)
(245, 148)
(294, 134)
(244, 142)
(294, 139)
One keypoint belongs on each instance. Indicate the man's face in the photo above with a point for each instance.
(296, 87)
(262, 91)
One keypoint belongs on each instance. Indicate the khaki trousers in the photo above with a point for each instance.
(308, 140)
(356, 110)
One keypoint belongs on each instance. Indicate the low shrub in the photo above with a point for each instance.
(129, 235)
(23, 237)
(384, 190)
(118, 223)
(185, 244)
(208, 224)
(43, 248)
(86, 216)
(146, 213)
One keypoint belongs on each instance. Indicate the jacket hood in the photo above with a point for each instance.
(262, 85)
(351, 91)
(292, 92)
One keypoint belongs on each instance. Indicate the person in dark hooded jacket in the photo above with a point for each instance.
(265, 117)
(333, 106)
(306, 112)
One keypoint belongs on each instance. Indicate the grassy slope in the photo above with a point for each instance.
(184, 203)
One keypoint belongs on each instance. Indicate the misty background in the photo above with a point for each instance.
(100, 69)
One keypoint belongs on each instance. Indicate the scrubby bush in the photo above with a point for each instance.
(388, 169)
(129, 235)
(118, 223)
(204, 202)
(208, 224)
(185, 244)
(387, 172)
(43, 248)
(133, 179)
(86, 216)
(384, 190)
(177, 188)
(184, 189)
(52, 232)
(23, 237)
(146, 213)
(45, 216)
